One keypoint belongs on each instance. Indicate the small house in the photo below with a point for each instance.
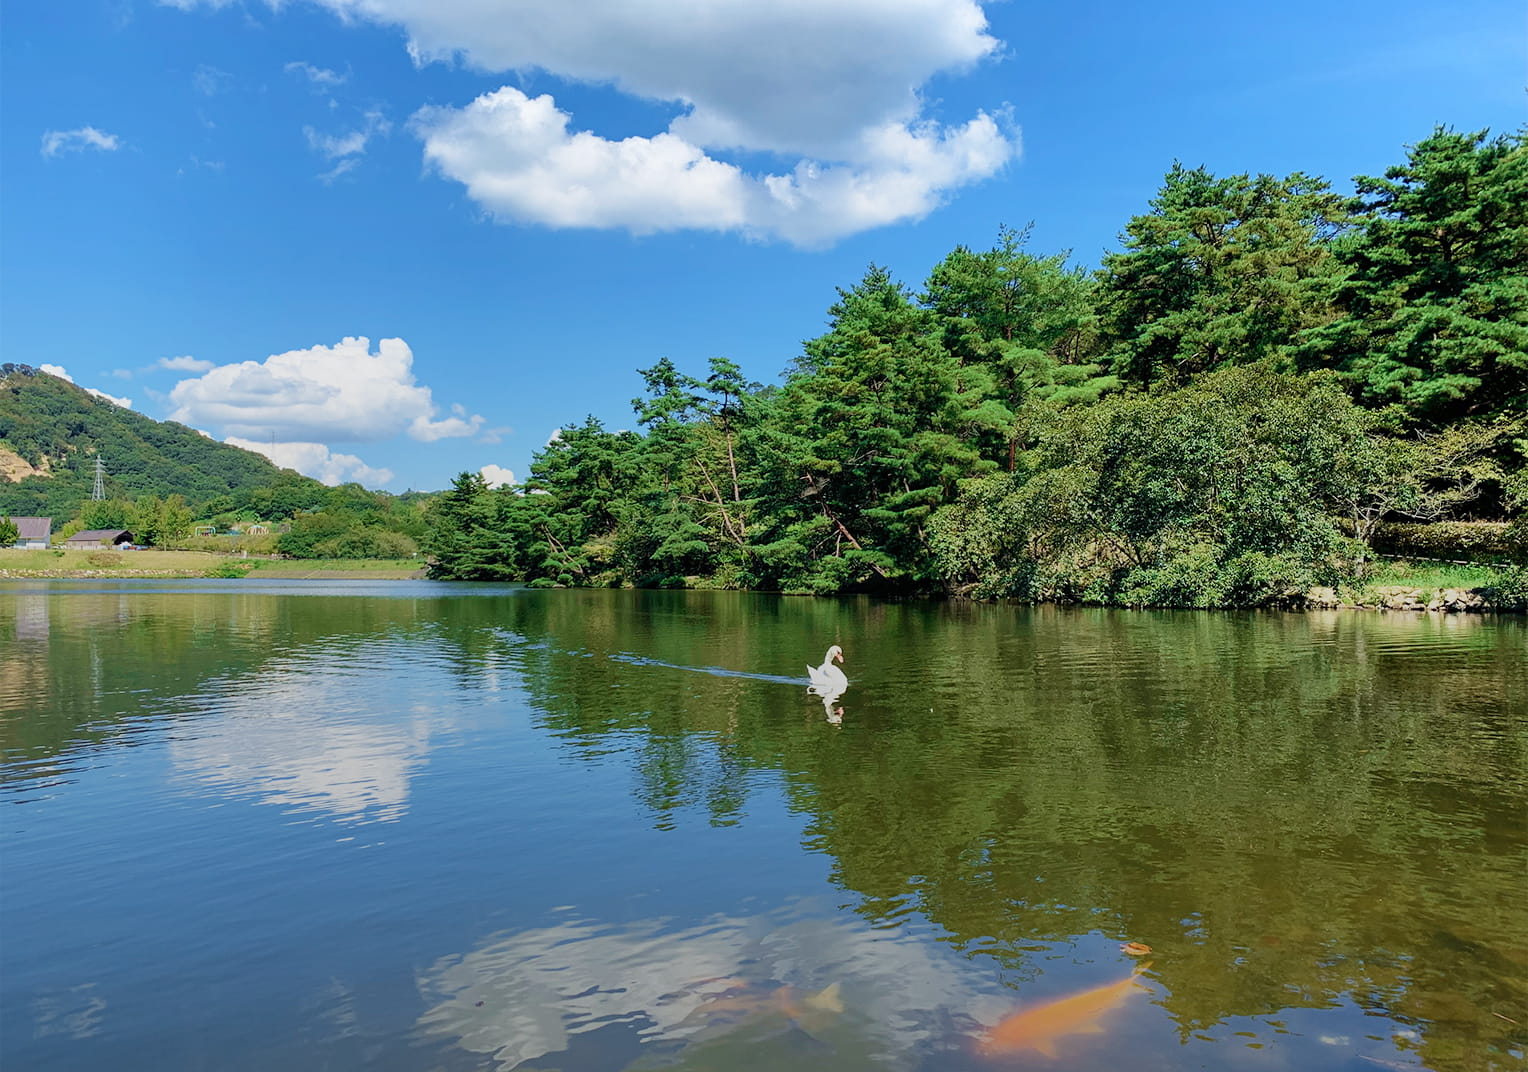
(33, 532)
(98, 539)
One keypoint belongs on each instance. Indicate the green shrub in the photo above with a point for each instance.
(104, 558)
(1510, 591)
(230, 570)
(1470, 541)
(366, 543)
(1194, 578)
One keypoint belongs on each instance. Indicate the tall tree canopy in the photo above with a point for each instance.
(1221, 271)
(1434, 299)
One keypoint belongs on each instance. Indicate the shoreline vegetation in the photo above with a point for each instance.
(1395, 585)
(1268, 387)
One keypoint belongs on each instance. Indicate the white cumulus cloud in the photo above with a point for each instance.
(72, 141)
(834, 88)
(339, 393)
(517, 158)
(185, 363)
(318, 461)
(496, 475)
(452, 427)
(789, 76)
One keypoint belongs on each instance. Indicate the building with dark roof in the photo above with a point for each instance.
(33, 532)
(97, 539)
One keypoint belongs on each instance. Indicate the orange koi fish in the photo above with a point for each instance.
(740, 1001)
(1041, 1027)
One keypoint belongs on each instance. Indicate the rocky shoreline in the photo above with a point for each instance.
(1401, 597)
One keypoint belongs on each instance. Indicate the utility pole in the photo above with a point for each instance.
(99, 491)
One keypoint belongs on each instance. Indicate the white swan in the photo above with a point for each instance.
(828, 676)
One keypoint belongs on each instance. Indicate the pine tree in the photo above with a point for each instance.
(1434, 302)
(1219, 272)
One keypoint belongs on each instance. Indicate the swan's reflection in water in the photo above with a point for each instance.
(829, 695)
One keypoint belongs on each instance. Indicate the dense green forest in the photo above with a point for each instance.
(1225, 412)
(60, 429)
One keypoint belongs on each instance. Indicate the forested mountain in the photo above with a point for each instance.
(1220, 415)
(51, 433)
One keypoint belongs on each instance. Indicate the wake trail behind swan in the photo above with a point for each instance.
(714, 671)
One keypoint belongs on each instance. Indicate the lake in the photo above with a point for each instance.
(412, 826)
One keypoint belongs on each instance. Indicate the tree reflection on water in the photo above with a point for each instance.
(1314, 819)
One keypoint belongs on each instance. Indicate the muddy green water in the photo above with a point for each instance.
(406, 826)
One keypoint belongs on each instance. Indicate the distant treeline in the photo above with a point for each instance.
(60, 429)
(343, 522)
(163, 478)
(1221, 415)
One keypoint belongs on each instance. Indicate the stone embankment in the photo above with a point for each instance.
(1400, 597)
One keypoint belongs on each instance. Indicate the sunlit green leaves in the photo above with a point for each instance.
(1434, 299)
(1221, 271)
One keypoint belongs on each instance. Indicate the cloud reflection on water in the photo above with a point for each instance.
(74, 1013)
(307, 740)
(530, 994)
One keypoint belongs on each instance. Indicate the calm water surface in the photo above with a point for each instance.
(405, 826)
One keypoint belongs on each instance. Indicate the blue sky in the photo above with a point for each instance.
(209, 204)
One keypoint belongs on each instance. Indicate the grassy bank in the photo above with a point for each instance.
(63, 563)
(71, 563)
(1433, 575)
(368, 568)
(1397, 584)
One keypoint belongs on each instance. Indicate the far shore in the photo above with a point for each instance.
(69, 563)
(1397, 586)
(270, 575)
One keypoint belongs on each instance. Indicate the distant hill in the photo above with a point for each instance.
(52, 431)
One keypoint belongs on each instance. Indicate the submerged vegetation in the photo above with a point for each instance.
(1228, 412)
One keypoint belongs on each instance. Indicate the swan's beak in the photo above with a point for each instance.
(839, 656)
